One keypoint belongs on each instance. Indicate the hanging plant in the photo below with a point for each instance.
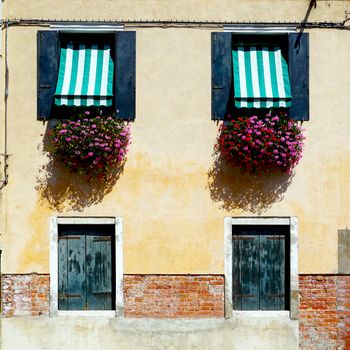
(266, 144)
(90, 146)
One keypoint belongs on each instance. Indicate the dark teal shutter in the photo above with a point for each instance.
(259, 268)
(62, 273)
(47, 71)
(99, 272)
(85, 267)
(299, 75)
(221, 74)
(125, 74)
(76, 286)
(246, 271)
(71, 272)
(272, 272)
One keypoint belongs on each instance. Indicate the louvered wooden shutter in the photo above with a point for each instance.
(299, 75)
(47, 71)
(221, 74)
(125, 74)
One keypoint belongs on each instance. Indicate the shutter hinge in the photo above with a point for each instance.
(101, 293)
(102, 239)
(68, 237)
(237, 238)
(63, 295)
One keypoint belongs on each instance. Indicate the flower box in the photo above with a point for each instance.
(90, 146)
(261, 144)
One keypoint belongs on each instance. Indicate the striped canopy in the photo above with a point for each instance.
(85, 76)
(261, 77)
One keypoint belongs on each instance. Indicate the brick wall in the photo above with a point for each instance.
(25, 295)
(173, 296)
(324, 312)
(343, 304)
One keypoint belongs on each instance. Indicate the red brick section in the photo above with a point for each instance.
(324, 312)
(173, 296)
(25, 295)
(343, 300)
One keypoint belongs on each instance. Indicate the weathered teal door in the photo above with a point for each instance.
(260, 267)
(85, 267)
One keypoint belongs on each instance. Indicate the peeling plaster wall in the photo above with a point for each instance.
(172, 194)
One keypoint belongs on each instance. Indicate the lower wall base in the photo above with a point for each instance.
(324, 312)
(91, 333)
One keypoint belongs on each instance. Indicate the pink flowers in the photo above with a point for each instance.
(261, 145)
(90, 146)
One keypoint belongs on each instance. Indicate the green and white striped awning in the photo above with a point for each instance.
(85, 76)
(261, 77)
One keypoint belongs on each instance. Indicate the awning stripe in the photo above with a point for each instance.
(261, 78)
(80, 72)
(92, 72)
(261, 73)
(263, 103)
(274, 83)
(266, 69)
(71, 101)
(85, 75)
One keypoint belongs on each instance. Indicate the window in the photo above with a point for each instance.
(86, 266)
(86, 70)
(260, 268)
(261, 265)
(260, 71)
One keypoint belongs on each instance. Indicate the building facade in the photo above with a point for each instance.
(177, 250)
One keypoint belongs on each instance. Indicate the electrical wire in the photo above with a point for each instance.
(177, 23)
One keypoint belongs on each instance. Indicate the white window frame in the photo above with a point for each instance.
(292, 222)
(118, 278)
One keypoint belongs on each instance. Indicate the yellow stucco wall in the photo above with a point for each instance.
(172, 198)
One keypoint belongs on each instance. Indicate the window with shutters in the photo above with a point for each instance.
(259, 73)
(260, 267)
(86, 71)
(86, 266)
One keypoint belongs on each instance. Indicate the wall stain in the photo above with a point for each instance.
(35, 255)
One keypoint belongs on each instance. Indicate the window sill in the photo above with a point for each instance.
(262, 313)
(86, 313)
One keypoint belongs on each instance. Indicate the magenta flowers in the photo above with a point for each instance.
(90, 146)
(261, 144)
